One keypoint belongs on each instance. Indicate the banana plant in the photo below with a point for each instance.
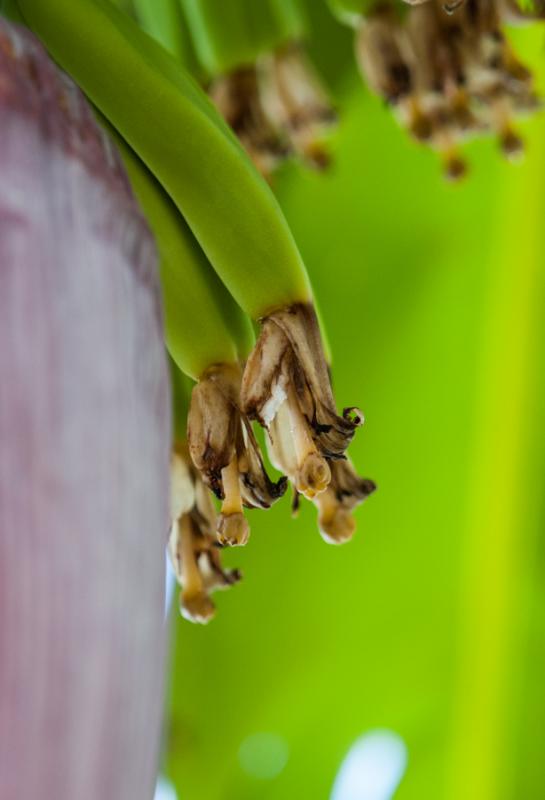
(233, 215)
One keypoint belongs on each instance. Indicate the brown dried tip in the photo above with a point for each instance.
(455, 168)
(237, 97)
(336, 505)
(192, 543)
(224, 449)
(286, 387)
(511, 145)
(294, 100)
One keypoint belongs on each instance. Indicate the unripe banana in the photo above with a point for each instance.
(164, 20)
(203, 324)
(171, 124)
(239, 31)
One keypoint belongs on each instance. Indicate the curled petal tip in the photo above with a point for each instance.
(353, 415)
(512, 146)
(233, 530)
(197, 608)
(338, 528)
(314, 476)
(455, 169)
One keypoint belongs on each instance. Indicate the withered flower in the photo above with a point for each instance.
(193, 547)
(224, 449)
(335, 506)
(278, 108)
(295, 101)
(287, 388)
(237, 97)
(448, 72)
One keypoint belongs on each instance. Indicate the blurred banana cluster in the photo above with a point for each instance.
(449, 72)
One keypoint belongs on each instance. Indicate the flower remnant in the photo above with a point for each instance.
(224, 449)
(287, 388)
(335, 506)
(449, 72)
(278, 108)
(193, 547)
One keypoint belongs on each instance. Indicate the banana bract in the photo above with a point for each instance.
(173, 127)
(85, 436)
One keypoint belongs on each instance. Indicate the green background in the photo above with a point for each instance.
(430, 623)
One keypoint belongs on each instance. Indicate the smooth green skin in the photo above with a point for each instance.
(203, 324)
(165, 22)
(170, 123)
(229, 34)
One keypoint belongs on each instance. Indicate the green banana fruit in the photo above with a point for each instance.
(203, 324)
(176, 131)
(237, 32)
(164, 20)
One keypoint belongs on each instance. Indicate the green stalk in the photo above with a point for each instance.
(240, 31)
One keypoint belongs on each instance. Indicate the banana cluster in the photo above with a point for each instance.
(227, 259)
(448, 72)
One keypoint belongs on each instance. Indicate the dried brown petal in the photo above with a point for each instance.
(193, 549)
(381, 52)
(287, 388)
(237, 97)
(461, 74)
(225, 451)
(295, 102)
